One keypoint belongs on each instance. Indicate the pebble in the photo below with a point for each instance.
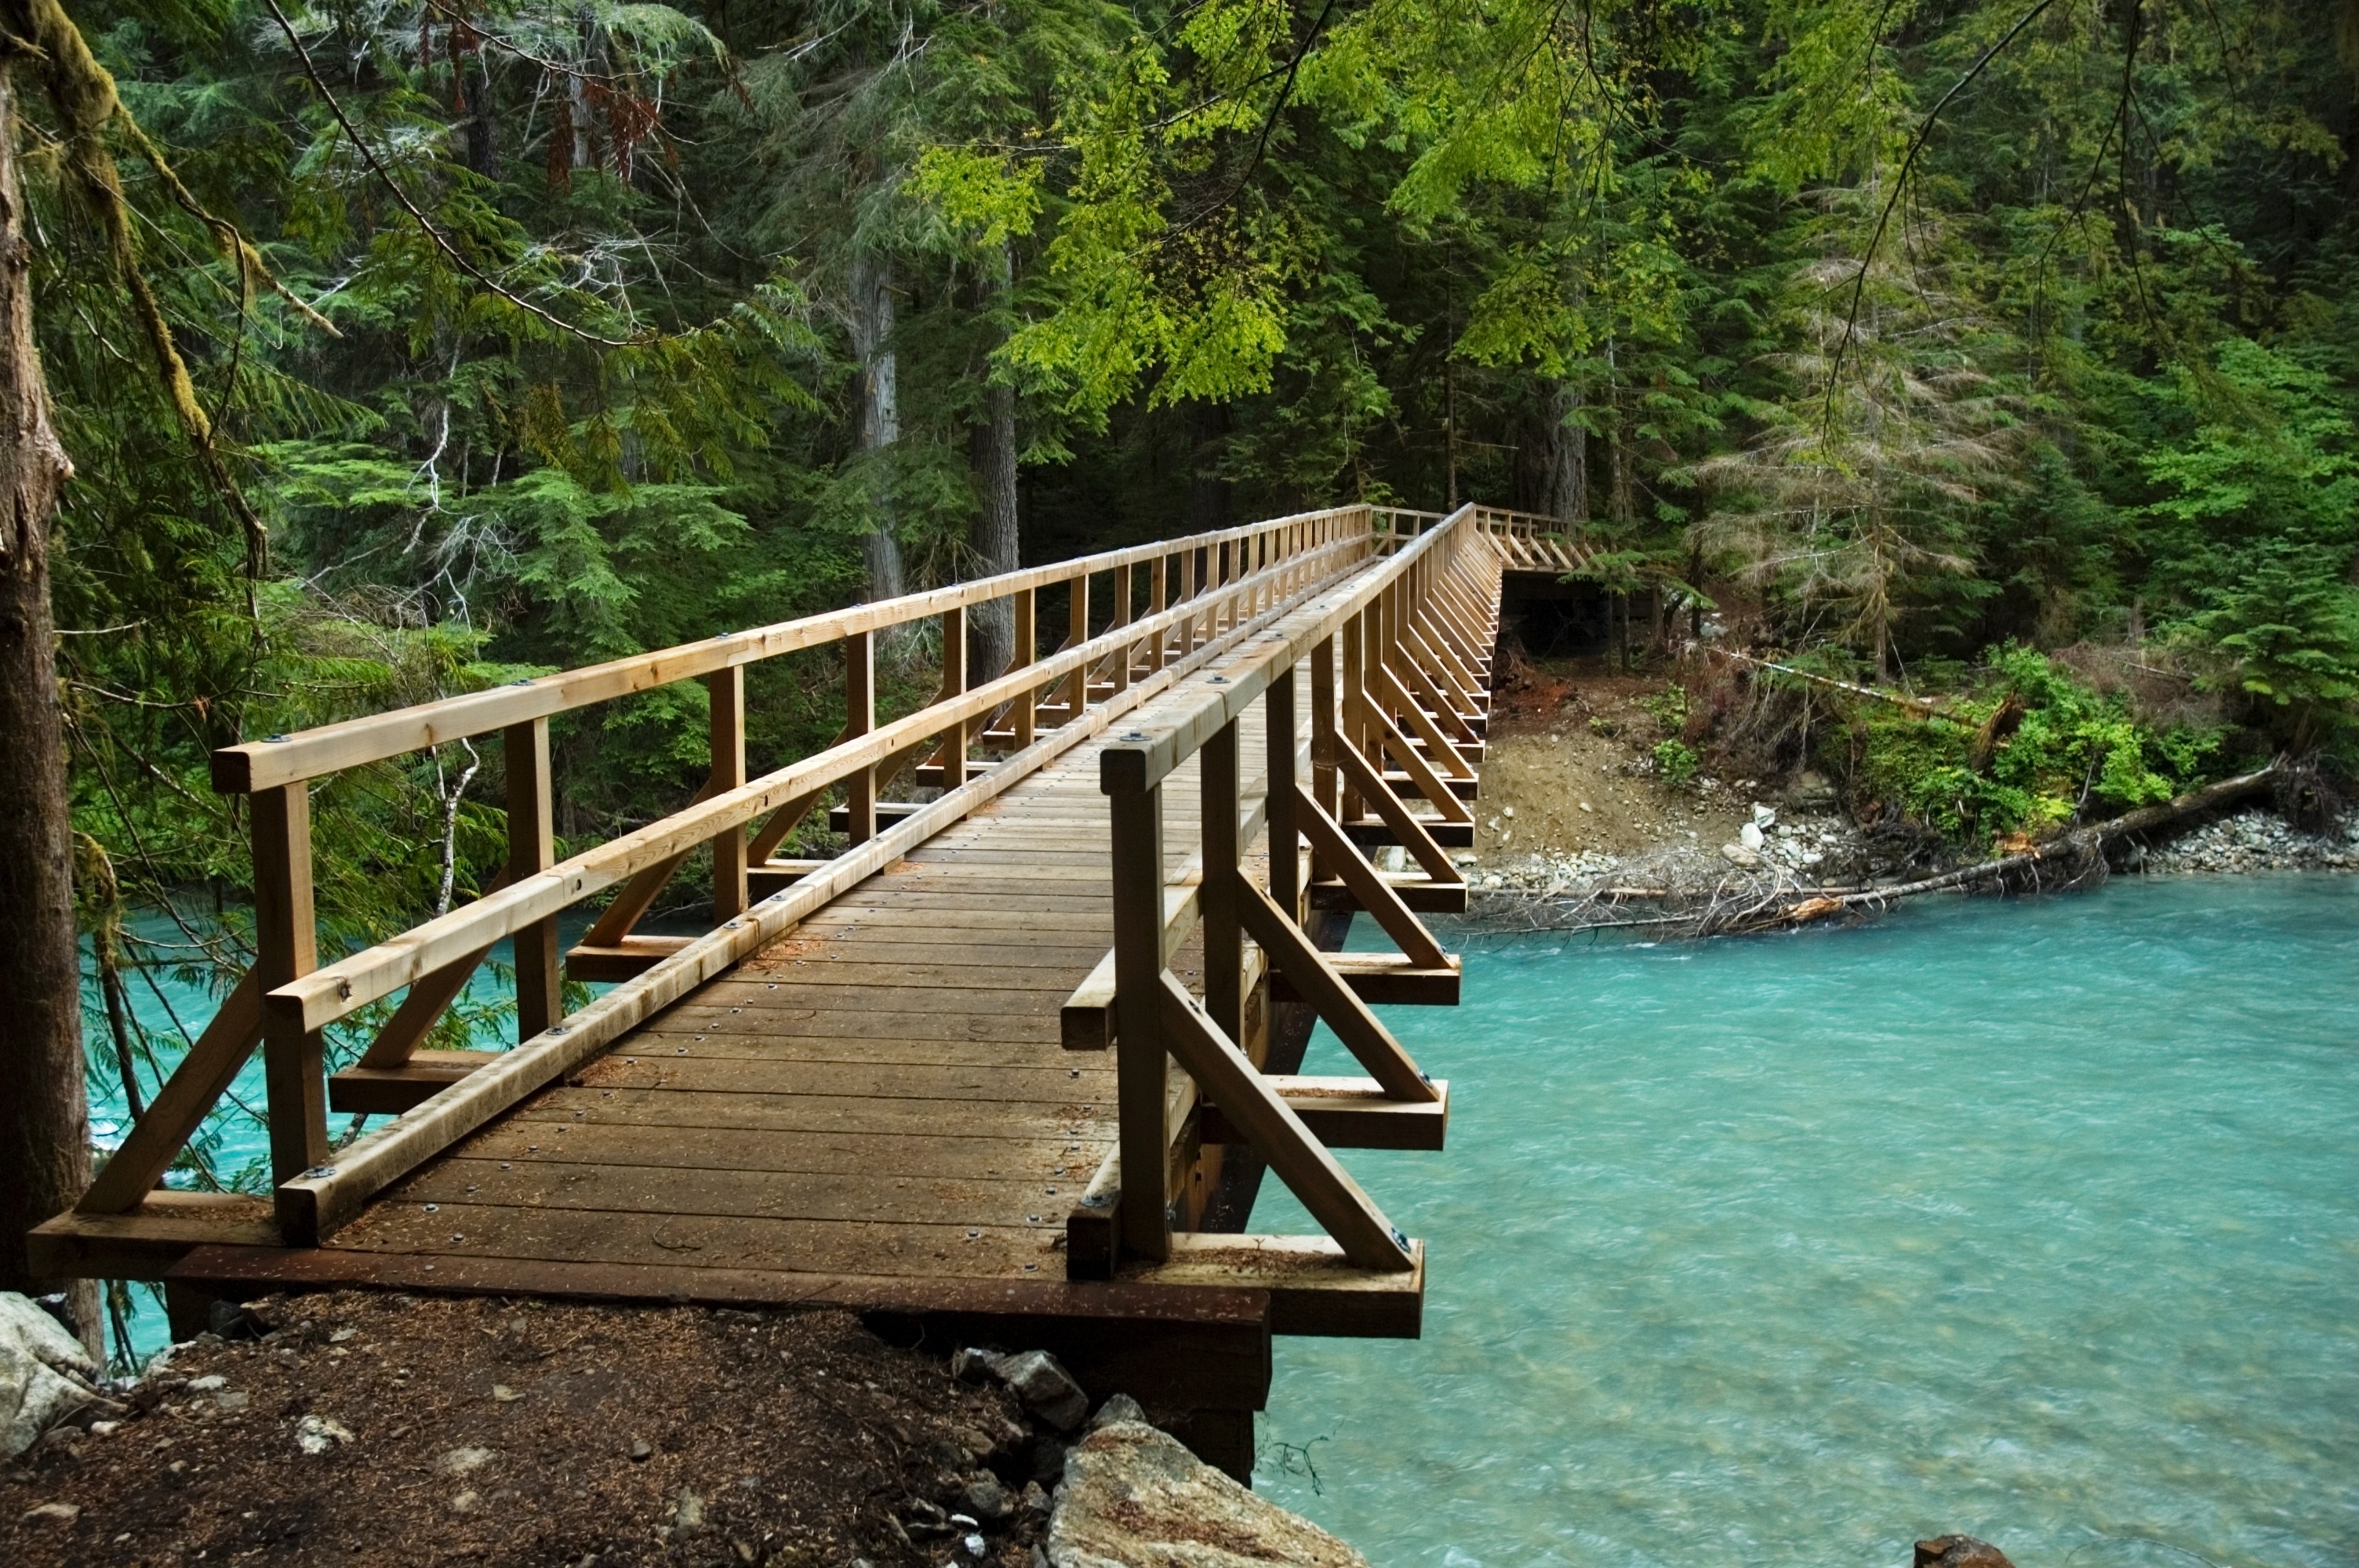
(640, 1451)
(53, 1513)
(459, 1461)
(2254, 840)
(316, 1435)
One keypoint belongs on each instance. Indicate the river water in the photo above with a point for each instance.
(2037, 1220)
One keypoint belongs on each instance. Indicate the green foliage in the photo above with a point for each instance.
(2069, 754)
(1675, 761)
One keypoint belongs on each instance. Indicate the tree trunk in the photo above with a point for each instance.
(995, 542)
(880, 409)
(1208, 492)
(482, 128)
(1567, 448)
(44, 1118)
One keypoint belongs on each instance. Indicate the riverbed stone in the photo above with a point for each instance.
(1959, 1552)
(1134, 1498)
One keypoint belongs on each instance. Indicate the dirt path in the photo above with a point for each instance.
(394, 1430)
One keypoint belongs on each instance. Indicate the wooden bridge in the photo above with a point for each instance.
(919, 1078)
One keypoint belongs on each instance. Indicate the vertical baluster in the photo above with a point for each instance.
(1156, 603)
(725, 690)
(1324, 777)
(1122, 588)
(1352, 699)
(1027, 648)
(532, 847)
(1284, 841)
(858, 718)
(1077, 631)
(954, 743)
(1224, 938)
(1139, 1056)
(286, 936)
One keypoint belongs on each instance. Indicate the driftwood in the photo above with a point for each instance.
(1739, 906)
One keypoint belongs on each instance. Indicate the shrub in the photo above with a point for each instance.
(1675, 761)
(2031, 750)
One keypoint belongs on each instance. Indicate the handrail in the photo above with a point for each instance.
(329, 747)
(1376, 622)
(336, 990)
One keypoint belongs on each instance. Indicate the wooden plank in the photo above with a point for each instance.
(1347, 1113)
(1040, 1162)
(738, 1241)
(1078, 1086)
(820, 1113)
(1375, 893)
(1386, 978)
(1375, 833)
(669, 1283)
(212, 1062)
(1313, 1288)
(144, 1242)
(883, 1197)
(532, 849)
(392, 1091)
(1414, 889)
(625, 959)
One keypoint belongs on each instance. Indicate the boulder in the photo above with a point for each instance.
(1959, 1552)
(1134, 1497)
(45, 1373)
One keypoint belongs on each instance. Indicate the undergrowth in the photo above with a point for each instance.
(2030, 750)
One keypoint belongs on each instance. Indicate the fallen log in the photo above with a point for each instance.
(2077, 853)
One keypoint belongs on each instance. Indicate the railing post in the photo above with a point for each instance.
(1139, 1054)
(860, 717)
(1284, 841)
(726, 691)
(953, 751)
(1077, 631)
(286, 940)
(532, 847)
(1157, 586)
(1027, 648)
(1122, 618)
(1352, 696)
(1225, 954)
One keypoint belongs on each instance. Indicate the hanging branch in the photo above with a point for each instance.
(1899, 184)
(426, 225)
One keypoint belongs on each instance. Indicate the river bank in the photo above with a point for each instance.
(1578, 825)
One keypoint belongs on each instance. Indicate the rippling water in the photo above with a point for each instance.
(2037, 1220)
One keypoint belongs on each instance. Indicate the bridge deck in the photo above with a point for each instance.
(882, 1093)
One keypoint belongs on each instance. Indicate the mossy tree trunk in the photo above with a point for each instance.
(44, 1118)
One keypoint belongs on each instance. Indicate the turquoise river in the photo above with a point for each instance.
(2036, 1221)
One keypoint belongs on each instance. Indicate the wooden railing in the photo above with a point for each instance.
(1200, 596)
(1398, 663)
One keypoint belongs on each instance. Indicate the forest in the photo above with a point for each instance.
(406, 346)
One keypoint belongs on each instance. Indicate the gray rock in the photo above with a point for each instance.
(45, 1373)
(1046, 1389)
(316, 1435)
(53, 1513)
(1134, 1497)
(1120, 1407)
(986, 1499)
